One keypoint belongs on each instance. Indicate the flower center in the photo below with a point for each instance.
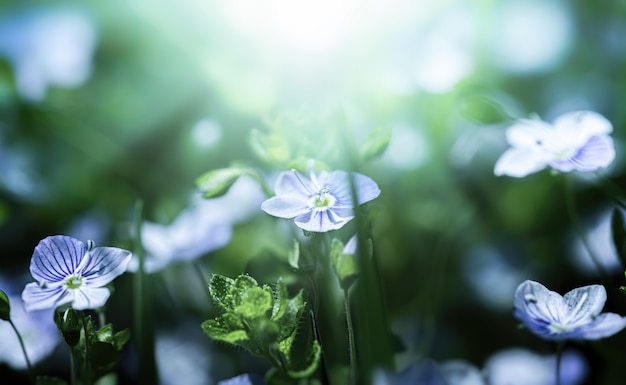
(558, 328)
(323, 200)
(73, 282)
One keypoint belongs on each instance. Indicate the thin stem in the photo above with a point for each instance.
(353, 364)
(102, 318)
(571, 210)
(316, 335)
(19, 337)
(73, 375)
(86, 368)
(559, 354)
(198, 268)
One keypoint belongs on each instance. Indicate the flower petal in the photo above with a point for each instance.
(518, 162)
(584, 303)
(537, 306)
(285, 206)
(294, 183)
(605, 325)
(104, 264)
(339, 184)
(90, 297)
(320, 221)
(55, 258)
(598, 152)
(582, 125)
(527, 133)
(37, 298)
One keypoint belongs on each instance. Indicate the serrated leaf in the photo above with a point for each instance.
(618, 230)
(313, 360)
(289, 321)
(217, 330)
(376, 143)
(121, 338)
(244, 282)
(105, 334)
(5, 306)
(280, 300)
(220, 289)
(285, 344)
(254, 302)
(216, 183)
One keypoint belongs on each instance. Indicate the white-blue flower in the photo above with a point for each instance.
(576, 315)
(319, 203)
(575, 141)
(68, 272)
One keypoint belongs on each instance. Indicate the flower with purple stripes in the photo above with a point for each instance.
(320, 202)
(67, 271)
(575, 141)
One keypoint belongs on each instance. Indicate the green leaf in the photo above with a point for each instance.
(218, 330)
(121, 338)
(290, 319)
(481, 109)
(376, 143)
(254, 302)
(220, 288)
(293, 256)
(5, 306)
(217, 182)
(312, 362)
(618, 229)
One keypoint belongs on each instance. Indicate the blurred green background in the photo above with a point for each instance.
(175, 89)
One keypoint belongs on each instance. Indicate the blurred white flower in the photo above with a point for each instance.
(518, 366)
(52, 47)
(205, 226)
(37, 329)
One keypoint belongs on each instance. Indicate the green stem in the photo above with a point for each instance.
(316, 335)
(73, 375)
(143, 320)
(571, 210)
(559, 355)
(19, 337)
(86, 372)
(353, 364)
(102, 318)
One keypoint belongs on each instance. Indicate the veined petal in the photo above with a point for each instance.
(104, 264)
(294, 183)
(582, 125)
(285, 206)
(598, 152)
(90, 297)
(604, 325)
(519, 162)
(37, 298)
(527, 133)
(584, 303)
(55, 258)
(320, 221)
(533, 301)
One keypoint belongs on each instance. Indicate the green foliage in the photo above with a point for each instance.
(345, 266)
(216, 183)
(5, 306)
(97, 352)
(376, 143)
(483, 110)
(618, 229)
(49, 380)
(262, 320)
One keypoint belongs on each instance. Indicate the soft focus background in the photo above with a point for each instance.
(106, 103)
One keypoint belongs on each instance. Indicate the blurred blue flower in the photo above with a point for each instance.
(37, 329)
(575, 141)
(517, 366)
(68, 272)
(206, 225)
(47, 48)
(243, 379)
(321, 202)
(573, 316)
(423, 372)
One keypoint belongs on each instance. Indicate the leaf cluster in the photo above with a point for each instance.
(262, 320)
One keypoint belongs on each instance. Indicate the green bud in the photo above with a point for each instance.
(69, 324)
(5, 306)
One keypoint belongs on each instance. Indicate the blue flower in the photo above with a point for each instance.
(321, 202)
(68, 272)
(576, 315)
(575, 141)
(243, 379)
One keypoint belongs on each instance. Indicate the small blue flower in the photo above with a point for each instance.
(321, 202)
(575, 141)
(68, 272)
(576, 315)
